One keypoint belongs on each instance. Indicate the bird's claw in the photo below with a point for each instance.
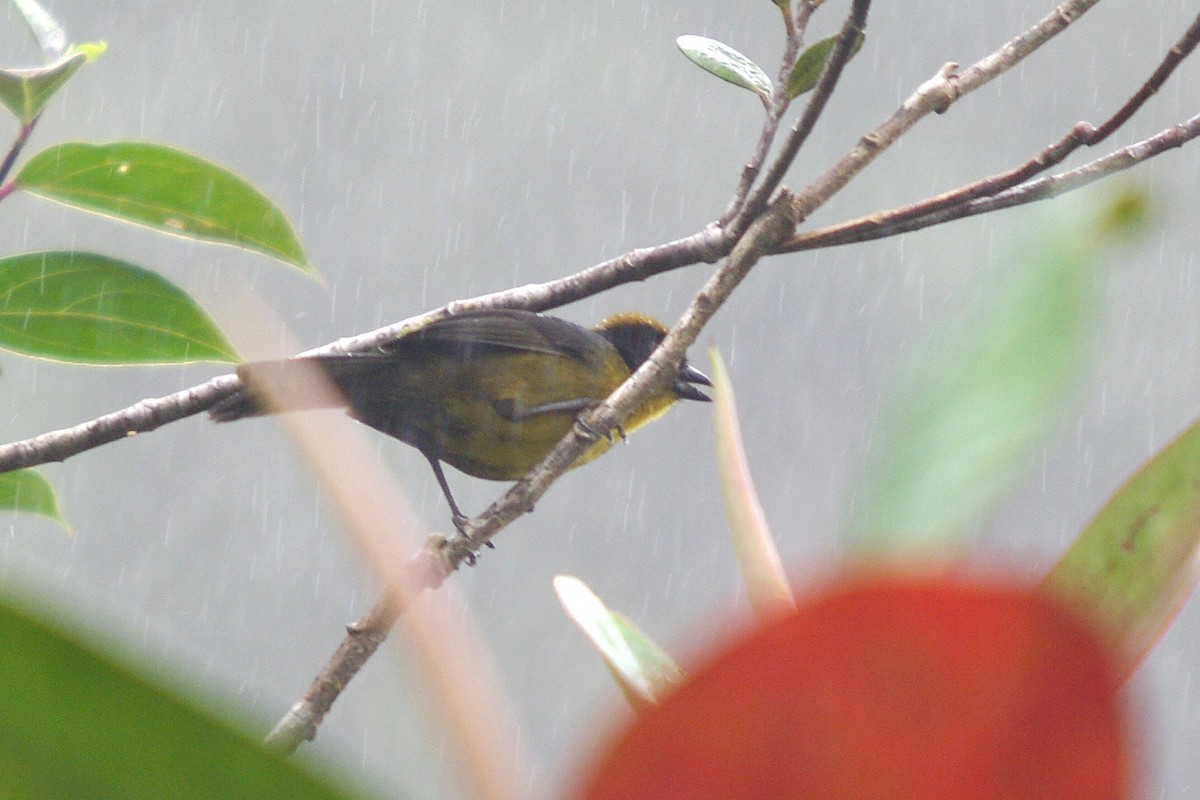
(468, 539)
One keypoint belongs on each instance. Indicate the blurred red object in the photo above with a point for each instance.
(890, 688)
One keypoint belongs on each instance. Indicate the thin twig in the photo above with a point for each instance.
(1042, 188)
(140, 417)
(14, 151)
(362, 639)
(897, 220)
(776, 108)
(1181, 50)
(852, 29)
(936, 96)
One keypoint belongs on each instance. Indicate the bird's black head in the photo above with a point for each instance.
(635, 336)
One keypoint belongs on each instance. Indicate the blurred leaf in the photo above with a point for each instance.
(25, 92)
(886, 688)
(1131, 569)
(762, 570)
(164, 189)
(972, 416)
(643, 671)
(26, 490)
(77, 725)
(49, 33)
(92, 309)
(811, 63)
(726, 63)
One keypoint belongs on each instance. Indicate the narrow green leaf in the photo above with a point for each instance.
(640, 667)
(811, 63)
(78, 725)
(92, 309)
(26, 490)
(45, 28)
(971, 416)
(762, 570)
(726, 63)
(1132, 567)
(165, 189)
(25, 92)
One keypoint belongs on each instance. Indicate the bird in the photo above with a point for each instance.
(488, 392)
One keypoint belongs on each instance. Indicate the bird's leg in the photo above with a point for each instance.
(577, 405)
(459, 519)
(511, 411)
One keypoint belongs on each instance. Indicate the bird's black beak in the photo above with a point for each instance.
(689, 375)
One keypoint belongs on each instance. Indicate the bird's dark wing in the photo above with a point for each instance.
(504, 329)
(462, 338)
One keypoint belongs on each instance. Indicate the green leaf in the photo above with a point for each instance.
(45, 28)
(92, 309)
(165, 189)
(762, 569)
(27, 491)
(726, 63)
(25, 92)
(78, 725)
(972, 416)
(1131, 568)
(811, 63)
(641, 668)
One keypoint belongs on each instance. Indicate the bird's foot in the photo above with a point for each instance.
(473, 544)
(615, 432)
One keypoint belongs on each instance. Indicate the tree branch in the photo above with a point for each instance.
(780, 102)
(707, 245)
(854, 27)
(926, 212)
(1042, 188)
(363, 638)
(141, 417)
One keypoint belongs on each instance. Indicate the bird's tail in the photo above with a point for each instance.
(292, 379)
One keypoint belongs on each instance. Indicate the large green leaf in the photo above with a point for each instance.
(92, 309)
(26, 490)
(962, 432)
(165, 189)
(77, 725)
(25, 92)
(726, 63)
(1133, 566)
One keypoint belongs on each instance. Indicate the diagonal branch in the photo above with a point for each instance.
(926, 212)
(1042, 188)
(852, 29)
(776, 108)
